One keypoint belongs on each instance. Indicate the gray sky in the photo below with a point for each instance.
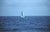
(29, 8)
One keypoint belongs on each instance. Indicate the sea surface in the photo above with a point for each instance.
(25, 24)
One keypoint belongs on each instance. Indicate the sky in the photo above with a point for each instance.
(29, 8)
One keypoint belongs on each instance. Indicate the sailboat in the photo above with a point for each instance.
(22, 14)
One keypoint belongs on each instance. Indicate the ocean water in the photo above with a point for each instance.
(26, 24)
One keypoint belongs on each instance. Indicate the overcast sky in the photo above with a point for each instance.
(29, 8)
